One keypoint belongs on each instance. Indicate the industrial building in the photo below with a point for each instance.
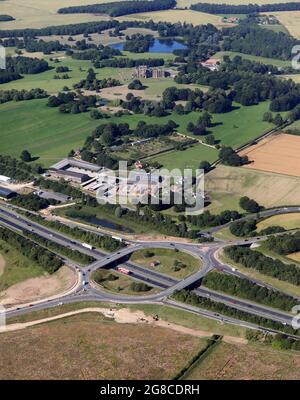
(76, 171)
(7, 193)
(62, 198)
(71, 176)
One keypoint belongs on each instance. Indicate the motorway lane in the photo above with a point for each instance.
(262, 214)
(169, 290)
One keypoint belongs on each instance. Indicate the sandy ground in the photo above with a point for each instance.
(35, 289)
(279, 153)
(18, 187)
(2, 264)
(123, 316)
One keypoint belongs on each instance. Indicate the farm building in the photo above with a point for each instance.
(71, 176)
(212, 64)
(7, 193)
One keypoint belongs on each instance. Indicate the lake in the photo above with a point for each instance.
(159, 46)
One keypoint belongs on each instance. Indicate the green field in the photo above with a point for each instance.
(189, 158)
(17, 268)
(78, 71)
(50, 135)
(121, 284)
(264, 60)
(166, 260)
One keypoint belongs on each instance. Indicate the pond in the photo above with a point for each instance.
(159, 46)
(104, 223)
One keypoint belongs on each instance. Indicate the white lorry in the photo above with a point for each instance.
(87, 246)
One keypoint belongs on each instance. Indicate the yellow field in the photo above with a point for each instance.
(189, 16)
(294, 256)
(38, 14)
(277, 153)
(287, 221)
(291, 20)
(295, 78)
(269, 189)
(188, 3)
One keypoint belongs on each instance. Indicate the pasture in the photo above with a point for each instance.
(189, 158)
(50, 135)
(78, 71)
(279, 154)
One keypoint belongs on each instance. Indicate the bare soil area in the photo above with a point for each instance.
(35, 289)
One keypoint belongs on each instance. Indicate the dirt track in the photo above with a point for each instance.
(122, 316)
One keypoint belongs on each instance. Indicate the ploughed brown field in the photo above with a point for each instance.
(279, 154)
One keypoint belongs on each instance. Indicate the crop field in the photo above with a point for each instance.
(95, 347)
(39, 14)
(247, 362)
(291, 20)
(295, 78)
(173, 16)
(267, 188)
(287, 221)
(166, 261)
(188, 3)
(279, 154)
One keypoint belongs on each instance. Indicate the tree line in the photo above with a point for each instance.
(118, 8)
(71, 102)
(259, 42)
(16, 169)
(266, 265)
(202, 302)
(101, 241)
(20, 95)
(48, 260)
(16, 66)
(284, 244)
(246, 289)
(244, 8)
(129, 63)
(74, 255)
